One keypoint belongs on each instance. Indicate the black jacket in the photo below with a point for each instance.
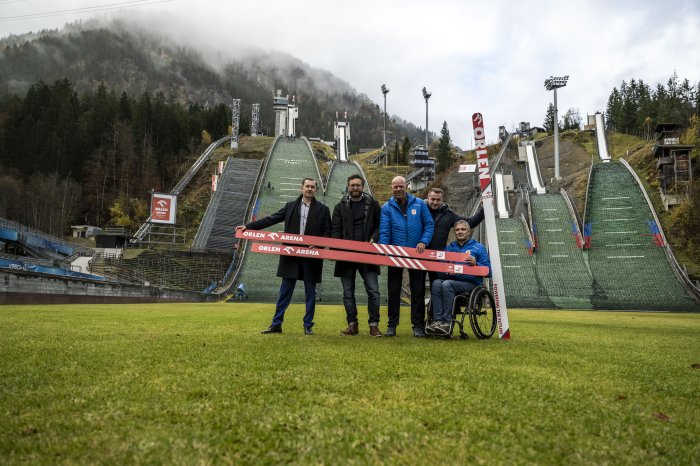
(444, 219)
(341, 228)
(318, 223)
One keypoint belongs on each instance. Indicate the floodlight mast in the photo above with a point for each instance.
(385, 91)
(426, 96)
(552, 84)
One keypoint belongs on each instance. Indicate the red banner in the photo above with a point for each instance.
(334, 243)
(375, 259)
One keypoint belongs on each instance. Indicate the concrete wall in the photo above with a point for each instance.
(20, 287)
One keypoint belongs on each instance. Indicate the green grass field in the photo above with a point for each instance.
(198, 384)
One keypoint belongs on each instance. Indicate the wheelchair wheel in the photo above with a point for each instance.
(482, 313)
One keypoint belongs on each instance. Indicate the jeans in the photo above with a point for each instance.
(443, 295)
(417, 285)
(285, 297)
(371, 281)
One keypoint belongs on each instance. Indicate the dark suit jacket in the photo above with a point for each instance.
(318, 223)
(445, 219)
(341, 227)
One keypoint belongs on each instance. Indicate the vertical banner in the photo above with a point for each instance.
(221, 167)
(163, 208)
(499, 295)
(214, 183)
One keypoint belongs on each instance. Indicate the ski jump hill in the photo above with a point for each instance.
(615, 257)
(289, 162)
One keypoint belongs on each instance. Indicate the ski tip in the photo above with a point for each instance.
(506, 335)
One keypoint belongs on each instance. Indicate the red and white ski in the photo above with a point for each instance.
(499, 295)
(376, 259)
(372, 248)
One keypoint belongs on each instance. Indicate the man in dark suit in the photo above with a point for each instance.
(303, 216)
(356, 217)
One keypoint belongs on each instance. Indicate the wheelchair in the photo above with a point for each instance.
(478, 306)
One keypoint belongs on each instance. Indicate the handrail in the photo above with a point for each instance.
(575, 215)
(24, 230)
(685, 280)
(239, 256)
(186, 178)
(588, 195)
(526, 227)
(330, 172)
(533, 234)
(318, 172)
(362, 172)
(210, 213)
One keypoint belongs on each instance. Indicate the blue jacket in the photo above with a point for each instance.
(477, 250)
(409, 230)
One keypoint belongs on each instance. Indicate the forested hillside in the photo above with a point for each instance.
(136, 61)
(93, 117)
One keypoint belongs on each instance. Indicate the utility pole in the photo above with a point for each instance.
(426, 96)
(552, 84)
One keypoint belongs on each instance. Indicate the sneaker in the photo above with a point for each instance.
(390, 332)
(430, 329)
(308, 331)
(351, 330)
(418, 332)
(374, 331)
(443, 328)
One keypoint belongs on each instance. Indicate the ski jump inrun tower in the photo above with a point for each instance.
(341, 133)
(286, 115)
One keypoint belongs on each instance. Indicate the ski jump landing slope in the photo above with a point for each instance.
(290, 162)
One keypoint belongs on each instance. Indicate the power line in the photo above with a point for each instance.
(92, 9)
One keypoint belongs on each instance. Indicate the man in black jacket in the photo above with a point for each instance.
(303, 216)
(444, 219)
(356, 217)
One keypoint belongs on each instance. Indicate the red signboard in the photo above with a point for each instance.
(163, 208)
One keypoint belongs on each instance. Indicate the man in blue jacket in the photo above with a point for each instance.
(405, 221)
(447, 286)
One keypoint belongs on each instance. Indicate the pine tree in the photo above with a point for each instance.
(548, 123)
(444, 149)
(405, 150)
(395, 154)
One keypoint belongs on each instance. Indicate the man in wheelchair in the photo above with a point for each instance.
(447, 285)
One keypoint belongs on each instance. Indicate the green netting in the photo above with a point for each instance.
(331, 289)
(560, 264)
(629, 267)
(290, 162)
(518, 266)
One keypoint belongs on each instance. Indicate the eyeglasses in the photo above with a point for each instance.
(355, 185)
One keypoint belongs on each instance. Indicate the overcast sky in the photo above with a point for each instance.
(490, 56)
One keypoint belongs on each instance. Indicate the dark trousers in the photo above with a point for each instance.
(371, 282)
(285, 297)
(416, 280)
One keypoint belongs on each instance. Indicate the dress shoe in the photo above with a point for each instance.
(351, 330)
(418, 332)
(374, 331)
(308, 331)
(390, 332)
(273, 329)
